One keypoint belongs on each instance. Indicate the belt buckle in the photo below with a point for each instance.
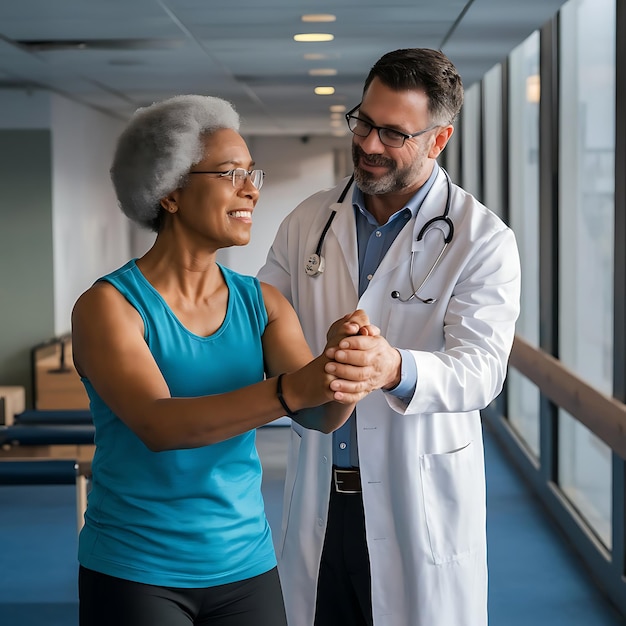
(338, 482)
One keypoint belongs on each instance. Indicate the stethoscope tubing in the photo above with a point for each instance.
(315, 264)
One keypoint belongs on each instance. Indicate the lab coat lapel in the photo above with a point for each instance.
(344, 229)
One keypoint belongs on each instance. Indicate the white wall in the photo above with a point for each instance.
(91, 236)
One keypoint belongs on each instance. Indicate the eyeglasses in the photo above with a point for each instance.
(388, 136)
(239, 176)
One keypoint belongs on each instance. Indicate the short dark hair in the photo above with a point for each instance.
(425, 69)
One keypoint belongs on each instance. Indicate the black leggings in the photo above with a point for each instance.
(107, 601)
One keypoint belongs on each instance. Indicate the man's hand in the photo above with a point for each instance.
(364, 358)
(361, 359)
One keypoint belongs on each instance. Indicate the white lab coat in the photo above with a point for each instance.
(422, 464)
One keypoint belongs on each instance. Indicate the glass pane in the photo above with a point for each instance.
(584, 468)
(523, 408)
(492, 140)
(586, 241)
(470, 143)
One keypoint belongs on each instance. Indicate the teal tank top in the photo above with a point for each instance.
(181, 518)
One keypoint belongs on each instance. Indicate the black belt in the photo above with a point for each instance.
(346, 480)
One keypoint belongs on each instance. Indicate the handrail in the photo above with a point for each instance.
(603, 415)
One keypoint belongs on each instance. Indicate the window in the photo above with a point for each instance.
(523, 396)
(586, 230)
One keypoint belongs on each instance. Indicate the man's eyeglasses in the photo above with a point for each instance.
(388, 136)
(239, 176)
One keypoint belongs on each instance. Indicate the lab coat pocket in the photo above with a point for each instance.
(454, 509)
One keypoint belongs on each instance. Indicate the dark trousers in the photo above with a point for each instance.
(109, 601)
(344, 584)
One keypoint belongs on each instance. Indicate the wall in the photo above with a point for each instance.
(59, 223)
(91, 235)
(26, 274)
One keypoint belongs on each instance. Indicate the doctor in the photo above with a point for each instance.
(384, 520)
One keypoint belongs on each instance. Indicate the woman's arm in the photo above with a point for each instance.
(286, 351)
(109, 349)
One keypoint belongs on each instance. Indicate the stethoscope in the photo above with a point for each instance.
(315, 263)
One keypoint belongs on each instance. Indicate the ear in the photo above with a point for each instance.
(441, 139)
(170, 202)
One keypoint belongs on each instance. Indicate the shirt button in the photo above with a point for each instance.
(320, 521)
(378, 233)
(324, 459)
(370, 276)
(343, 445)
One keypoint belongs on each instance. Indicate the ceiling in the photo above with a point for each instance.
(117, 55)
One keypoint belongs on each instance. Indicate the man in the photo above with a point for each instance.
(384, 520)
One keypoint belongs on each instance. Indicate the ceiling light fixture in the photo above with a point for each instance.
(312, 37)
(324, 91)
(337, 108)
(319, 17)
(323, 71)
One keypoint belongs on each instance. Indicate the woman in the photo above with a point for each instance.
(173, 350)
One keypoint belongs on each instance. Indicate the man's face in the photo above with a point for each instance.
(380, 169)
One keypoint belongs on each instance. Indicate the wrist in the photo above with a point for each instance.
(397, 378)
(281, 397)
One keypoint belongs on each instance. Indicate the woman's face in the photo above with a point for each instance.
(209, 207)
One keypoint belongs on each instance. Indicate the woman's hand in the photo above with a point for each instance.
(356, 323)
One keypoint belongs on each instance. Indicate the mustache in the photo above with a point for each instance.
(372, 159)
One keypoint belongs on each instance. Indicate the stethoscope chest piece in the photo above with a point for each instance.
(314, 265)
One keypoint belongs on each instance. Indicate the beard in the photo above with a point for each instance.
(395, 180)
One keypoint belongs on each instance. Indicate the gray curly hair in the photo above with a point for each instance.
(158, 148)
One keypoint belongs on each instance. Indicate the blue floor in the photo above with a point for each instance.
(535, 579)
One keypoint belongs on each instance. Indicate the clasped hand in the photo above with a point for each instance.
(360, 358)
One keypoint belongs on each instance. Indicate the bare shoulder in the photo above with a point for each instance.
(275, 301)
(103, 318)
(99, 301)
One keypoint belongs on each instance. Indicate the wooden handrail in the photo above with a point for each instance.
(603, 415)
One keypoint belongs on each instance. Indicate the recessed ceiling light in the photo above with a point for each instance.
(315, 56)
(319, 17)
(336, 116)
(335, 123)
(314, 37)
(323, 71)
(338, 108)
(324, 91)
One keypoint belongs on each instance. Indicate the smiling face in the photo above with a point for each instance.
(208, 208)
(379, 169)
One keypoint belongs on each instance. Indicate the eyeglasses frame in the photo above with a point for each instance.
(404, 135)
(231, 173)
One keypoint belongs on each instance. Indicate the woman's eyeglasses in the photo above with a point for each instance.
(239, 176)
